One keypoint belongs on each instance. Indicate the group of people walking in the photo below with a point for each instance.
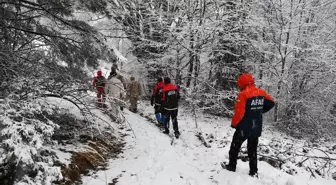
(251, 104)
(165, 99)
(115, 91)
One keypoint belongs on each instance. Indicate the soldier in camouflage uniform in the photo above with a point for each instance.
(133, 93)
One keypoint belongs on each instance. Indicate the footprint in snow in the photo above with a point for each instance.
(191, 181)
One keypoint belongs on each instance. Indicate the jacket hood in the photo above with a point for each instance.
(99, 73)
(245, 79)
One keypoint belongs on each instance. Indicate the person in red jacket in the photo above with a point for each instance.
(99, 82)
(170, 99)
(247, 120)
(156, 101)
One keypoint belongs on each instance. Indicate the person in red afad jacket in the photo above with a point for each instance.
(247, 120)
(99, 82)
(170, 99)
(156, 101)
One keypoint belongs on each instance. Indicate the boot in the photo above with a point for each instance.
(166, 131)
(253, 174)
(177, 134)
(228, 167)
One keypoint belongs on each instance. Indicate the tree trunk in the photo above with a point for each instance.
(197, 68)
(191, 67)
(283, 58)
(191, 51)
(178, 79)
(202, 4)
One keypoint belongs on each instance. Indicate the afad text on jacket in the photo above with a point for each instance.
(251, 104)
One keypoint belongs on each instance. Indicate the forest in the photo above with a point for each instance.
(53, 49)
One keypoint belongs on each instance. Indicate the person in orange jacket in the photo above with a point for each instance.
(99, 83)
(247, 120)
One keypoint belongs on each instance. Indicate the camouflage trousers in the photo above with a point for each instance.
(134, 104)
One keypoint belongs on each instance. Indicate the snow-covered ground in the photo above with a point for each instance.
(150, 159)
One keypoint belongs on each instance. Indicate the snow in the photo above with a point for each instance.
(64, 157)
(24, 137)
(150, 159)
(119, 55)
(65, 105)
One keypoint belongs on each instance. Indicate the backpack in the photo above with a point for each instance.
(172, 99)
(158, 95)
(100, 81)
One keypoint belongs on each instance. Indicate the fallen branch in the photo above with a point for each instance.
(201, 138)
(312, 173)
(316, 157)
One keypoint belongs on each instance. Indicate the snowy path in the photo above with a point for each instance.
(150, 159)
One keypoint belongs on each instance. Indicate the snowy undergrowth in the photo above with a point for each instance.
(48, 141)
(25, 129)
(297, 157)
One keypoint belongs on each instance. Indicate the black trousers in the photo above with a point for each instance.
(173, 115)
(252, 144)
